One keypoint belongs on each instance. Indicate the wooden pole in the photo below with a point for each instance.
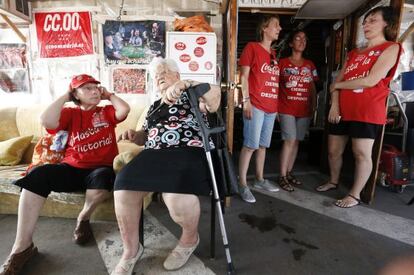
(13, 26)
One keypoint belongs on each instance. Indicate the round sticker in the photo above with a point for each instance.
(193, 66)
(198, 51)
(180, 46)
(201, 40)
(185, 57)
(208, 65)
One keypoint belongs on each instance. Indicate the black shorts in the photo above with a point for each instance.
(65, 178)
(355, 129)
(181, 170)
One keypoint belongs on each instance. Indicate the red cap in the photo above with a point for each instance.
(79, 80)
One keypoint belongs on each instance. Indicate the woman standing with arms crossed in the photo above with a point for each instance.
(259, 75)
(359, 96)
(296, 104)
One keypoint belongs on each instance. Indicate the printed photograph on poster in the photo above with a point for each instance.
(129, 80)
(14, 76)
(14, 80)
(133, 42)
(12, 56)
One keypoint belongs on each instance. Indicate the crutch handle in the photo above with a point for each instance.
(193, 94)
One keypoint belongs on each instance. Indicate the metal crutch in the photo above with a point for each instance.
(205, 133)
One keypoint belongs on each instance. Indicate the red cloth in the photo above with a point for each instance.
(368, 104)
(263, 77)
(295, 96)
(92, 140)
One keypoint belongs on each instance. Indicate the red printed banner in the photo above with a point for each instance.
(64, 34)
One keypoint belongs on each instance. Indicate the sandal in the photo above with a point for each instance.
(285, 184)
(326, 187)
(349, 205)
(292, 179)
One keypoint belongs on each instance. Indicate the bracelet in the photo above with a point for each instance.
(245, 99)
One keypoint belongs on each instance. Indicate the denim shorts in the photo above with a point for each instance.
(293, 128)
(257, 131)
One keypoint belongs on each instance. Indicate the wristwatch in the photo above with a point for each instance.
(245, 99)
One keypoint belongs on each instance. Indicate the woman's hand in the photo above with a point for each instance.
(105, 94)
(334, 116)
(137, 137)
(247, 110)
(173, 93)
(332, 87)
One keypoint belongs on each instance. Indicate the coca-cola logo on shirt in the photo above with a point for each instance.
(201, 40)
(266, 68)
(185, 58)
(180, 46)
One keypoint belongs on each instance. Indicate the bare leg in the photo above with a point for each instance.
(245, 156)
(93, 198)
(362, 149)
(285, 156)
(128, 212)
(293, 155)
(185, 211)
(260, 161)
(336, 147)
(30, 205)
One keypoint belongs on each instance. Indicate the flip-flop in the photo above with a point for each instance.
(357, 202)
(329, 186)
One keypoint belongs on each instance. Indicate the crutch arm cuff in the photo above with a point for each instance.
(200, 89)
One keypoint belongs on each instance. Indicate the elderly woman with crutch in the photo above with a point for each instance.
(173, 151)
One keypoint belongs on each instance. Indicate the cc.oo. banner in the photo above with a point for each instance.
(64, 34)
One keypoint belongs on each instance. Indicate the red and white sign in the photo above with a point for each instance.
(195, 54)
(201, 40)
(64, 34)
(180, 46)
(193, 65)
(198, 51)
(185, 57)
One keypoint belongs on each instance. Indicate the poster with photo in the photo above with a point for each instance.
(133, 42)
(14, 75)
(129, 80)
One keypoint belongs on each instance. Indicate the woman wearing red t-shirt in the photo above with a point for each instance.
(297, 100)
(359, 96)
(259, 74)
(87, 164)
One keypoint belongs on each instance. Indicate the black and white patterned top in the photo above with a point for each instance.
(173, 126)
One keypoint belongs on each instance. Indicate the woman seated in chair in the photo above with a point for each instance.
(87, 164)
(173, 151)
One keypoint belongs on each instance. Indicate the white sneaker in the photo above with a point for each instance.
(246, 194)
(265, 185)
(179, 256)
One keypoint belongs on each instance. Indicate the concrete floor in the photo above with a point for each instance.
(282, 233)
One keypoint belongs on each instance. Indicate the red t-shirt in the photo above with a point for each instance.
(91, 136)
(263, 76)
(295, 87)
(368, 104)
